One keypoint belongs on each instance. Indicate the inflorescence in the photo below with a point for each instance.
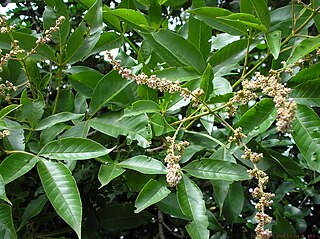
(269, 85)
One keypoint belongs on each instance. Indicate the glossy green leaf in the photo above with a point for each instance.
(134, 128)
(258, 8)
(144, 164)
(206, 82)
(191, 201)
(306, 135)
(170, 206)
(55, 119)
(16, 139)
(84, 79)
(34, 207)
(307, 93)
(153, 192)
(281, 224)
(7, 230)
(73, 149)
(3, 195)
(132, 17)
(182, 49)
(228, 55)
(307, 74)
(234, 202)
(260, 112)
(8, 109)
(180, 74)
(106, 90)
(80, 130)
(199, 34)
(303, 48)
(155, 14)
(33, 72)
(16, 165)
(141, 107)
(107, 41)
(160, 125)
(246, 20)
(50, 14)
(210, 15)
(274, 43)
(214, 169)
(65, 102)
(220, 192)
(86, 35)
(62, 192)
(32, 110)
(109, 172)
(49, 134)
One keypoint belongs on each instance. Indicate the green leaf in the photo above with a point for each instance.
(307, 93)
(234, 202)
(49, 134)
(62, 192)
(245, 19)
(107, 41)
(65, 102)
(160, 125)
(134, 128)
(55, 119)
(32, 70)
(141, 107)
(32, 110)
(214, 169)
(16, 139)
(50, 14)
(144, 164)
(170, 206)
(191, 202)
(106, 90)
(132, 17)
(274, 42)
(182, 49)
(260, 112)
(283, 225)
(303, 48)
(206, 82)
(180, 74)
(86, 35)
(228, 55)
(307, 74)
(8, 109)
(155, 14)
(16, 165)
(258, 8)
(7, 230)
(109, 172)
(3, 195)
(220, 192)
(80, 130)
(73, 149)
(122, 216)
(34, 207)
(84, 79)
(210, 15)
(153, 192)
(199, 34)
(307, 136)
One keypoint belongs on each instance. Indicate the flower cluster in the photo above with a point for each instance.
(4, 133)
(4, 27)
(15, 50)
(48, 33)
(6, 90)
(254, 157)
(269, 85)
(154, 82)
(172, 159)
(237, 136)
(264, 201)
